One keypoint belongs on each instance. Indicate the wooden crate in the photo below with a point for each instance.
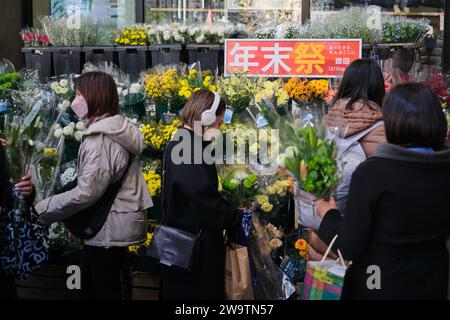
(48, 283)
(145, 286)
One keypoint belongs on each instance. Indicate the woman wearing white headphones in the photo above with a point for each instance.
(192, 202)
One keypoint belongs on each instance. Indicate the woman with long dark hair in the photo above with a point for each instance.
(109, 153)
(356, 116)
(25, 186)
(398, 212)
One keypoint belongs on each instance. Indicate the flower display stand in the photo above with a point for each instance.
(40, 59)
(165, 54)
(66, 60)
(133, 60)
(206, 54)
(99, 54)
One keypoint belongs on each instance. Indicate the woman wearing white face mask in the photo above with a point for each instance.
(192, 202)
(108, 158)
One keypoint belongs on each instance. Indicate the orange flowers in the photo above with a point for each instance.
(306, 90)
(302, 246)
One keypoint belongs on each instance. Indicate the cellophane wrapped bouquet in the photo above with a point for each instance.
(309, 156)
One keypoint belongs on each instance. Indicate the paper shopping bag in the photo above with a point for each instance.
(324, 279)
(238, 284)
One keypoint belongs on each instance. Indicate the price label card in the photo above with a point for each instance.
(168, 118)
(261, 121)
(228, 116)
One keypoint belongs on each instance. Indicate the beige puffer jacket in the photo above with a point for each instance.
(102, 160)
(359, 118)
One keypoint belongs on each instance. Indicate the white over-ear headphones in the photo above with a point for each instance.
(209, 116)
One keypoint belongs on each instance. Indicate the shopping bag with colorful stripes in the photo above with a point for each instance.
(324, 279)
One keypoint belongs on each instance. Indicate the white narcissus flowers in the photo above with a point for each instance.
(80, 126)
(78, 135)
(136, 88)
(68, 131)
(58, 133)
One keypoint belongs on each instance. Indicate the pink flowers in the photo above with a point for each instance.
(34, 38)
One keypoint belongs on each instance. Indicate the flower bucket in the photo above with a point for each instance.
(133, 60)
(66, 60)
(133, 105)
(98, 54)
(165, 54)
(40, 59)
(206, 54)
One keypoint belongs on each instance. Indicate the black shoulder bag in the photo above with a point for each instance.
(88, 222)
(171, 246)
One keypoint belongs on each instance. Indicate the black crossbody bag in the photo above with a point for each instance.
(87, 223)
(171, 246)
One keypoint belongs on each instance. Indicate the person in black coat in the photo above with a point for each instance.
(191, 202)
(25, 186)
(398, 213)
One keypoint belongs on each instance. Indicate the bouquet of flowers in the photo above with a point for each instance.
(440, 85)
(45, 169)
(305, 91)
(73, 135)
(162, 85)
(273, 195)
(195, 81)
(157, 135)
(237, 91)
(400, 29)
(152, 177)
(312, 161)
(67, 173)
(132, 36)
(296, 254)
(204, 33)
(239, 185)
(62, 32)
(273, 91)
(32, 37)
(164, 34)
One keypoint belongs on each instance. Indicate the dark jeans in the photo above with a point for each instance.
(105, 273)
(7, 287)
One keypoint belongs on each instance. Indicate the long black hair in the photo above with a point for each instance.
(413, 117)
(363, 80)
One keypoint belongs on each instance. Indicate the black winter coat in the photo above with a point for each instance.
(192, 203)
(397, 218)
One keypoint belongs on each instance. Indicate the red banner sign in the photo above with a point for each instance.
(290, 58)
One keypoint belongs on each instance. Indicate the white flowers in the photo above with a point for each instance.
(197, 33)
(68, 131)
(61, 87)
(72, 130)
(80, 126)
(167, 35)
(78, 135)
(240, 175)
(68, 175)
(136, 88)
(63, 105)
(58, 133)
